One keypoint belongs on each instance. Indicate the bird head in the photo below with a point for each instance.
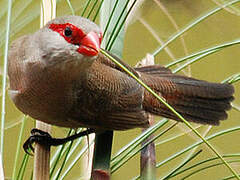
(68, 38)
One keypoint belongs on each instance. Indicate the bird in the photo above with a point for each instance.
(59, 76)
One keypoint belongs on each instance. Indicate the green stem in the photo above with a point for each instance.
(75, 160)
(22, 169)
(192, 61)
(110, 18)
(182, 165)
(135, 150)
(98, 10)
(4, 80)
(126, 150)
(85, 8)
(64, 160)
(201, 163)
(207, 167)
(196, 144)
(121, 25)
(205, 51)
(14, 173)
(91, 10)
(116, 24)
(59, 156)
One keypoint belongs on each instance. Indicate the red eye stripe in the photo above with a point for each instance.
(76, 36)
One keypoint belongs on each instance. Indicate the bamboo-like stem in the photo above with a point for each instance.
(148, 157)
(41, 156)
(88, 159)
(42, 153)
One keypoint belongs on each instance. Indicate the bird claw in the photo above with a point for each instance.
(46, 139)
(38, 136)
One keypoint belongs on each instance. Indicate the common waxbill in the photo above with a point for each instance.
(58, 76)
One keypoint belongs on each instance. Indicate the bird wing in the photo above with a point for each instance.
(108, 98)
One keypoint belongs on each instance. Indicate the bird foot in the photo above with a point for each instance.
(44, 138)
(38, 136)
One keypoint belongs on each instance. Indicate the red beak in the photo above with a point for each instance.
(90, 44)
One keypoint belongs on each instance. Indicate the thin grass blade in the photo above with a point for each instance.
(203, 162)
(4, 78)
(14, 173)
(197, 21)
(182, 165)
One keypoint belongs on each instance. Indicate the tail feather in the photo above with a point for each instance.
(196, 100)
(212, 118)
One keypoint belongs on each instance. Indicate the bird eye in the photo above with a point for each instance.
(68, 31)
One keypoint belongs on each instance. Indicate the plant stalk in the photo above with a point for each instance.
(42, 152)
(102, 156)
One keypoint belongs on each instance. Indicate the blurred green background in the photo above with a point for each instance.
(151, 22)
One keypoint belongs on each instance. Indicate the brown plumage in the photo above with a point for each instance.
(62, 80)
